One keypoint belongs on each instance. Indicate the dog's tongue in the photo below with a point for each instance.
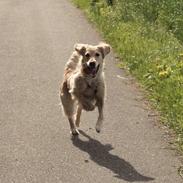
(93, 71)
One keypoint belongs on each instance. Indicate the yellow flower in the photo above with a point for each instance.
(163, 73)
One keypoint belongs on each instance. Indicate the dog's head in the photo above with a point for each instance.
(92, 57)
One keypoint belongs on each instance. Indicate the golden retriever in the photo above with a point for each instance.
(83, 86)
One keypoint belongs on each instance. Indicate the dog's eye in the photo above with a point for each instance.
(87, 55)
(97, 54)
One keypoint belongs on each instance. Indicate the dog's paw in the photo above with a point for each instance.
(75, 132)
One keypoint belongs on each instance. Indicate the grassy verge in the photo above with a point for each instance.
(150, 45)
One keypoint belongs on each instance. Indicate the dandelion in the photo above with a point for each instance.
(163, 73)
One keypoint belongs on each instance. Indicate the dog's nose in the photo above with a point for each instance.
(92, 64)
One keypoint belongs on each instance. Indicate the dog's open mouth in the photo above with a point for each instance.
(93, 71)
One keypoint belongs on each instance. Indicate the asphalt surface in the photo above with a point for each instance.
(36, 39)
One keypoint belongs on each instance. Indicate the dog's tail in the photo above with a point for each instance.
(67, 101)
(73, 61)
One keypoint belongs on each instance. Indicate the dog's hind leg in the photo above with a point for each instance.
(78, 115)
(100, 117)
(68, 107)
(100, 103)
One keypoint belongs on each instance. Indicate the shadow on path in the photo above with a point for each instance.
(100, 154)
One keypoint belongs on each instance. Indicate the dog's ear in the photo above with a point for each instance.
(104, 49)
(80, 48)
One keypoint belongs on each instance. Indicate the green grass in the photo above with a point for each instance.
(147, 35)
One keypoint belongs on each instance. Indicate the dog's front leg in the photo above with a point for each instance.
(78, 87)
(74, 130)
(78, 115)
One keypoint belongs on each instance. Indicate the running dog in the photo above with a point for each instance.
(83, 86)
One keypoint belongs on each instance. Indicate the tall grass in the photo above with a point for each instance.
(148, 37)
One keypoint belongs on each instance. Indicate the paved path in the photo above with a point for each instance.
(36, 39)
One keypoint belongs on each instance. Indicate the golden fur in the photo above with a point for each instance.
(83, 86)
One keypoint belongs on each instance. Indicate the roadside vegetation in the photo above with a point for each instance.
(147, 35)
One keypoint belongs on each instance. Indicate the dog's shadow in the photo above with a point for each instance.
(99, 153)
